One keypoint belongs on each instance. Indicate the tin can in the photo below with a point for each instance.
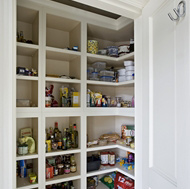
(92, 46)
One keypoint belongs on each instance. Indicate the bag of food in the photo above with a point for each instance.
(108, 180)
(110, 137)
(122, 182)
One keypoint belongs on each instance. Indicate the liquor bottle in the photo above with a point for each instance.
(56, 130)
(68, 140)
(75, 137)
(51, 135)
(64, 143)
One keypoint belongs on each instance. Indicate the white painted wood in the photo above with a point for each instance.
(164, 121)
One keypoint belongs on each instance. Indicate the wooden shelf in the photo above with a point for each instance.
(108, 169)
(125, 83)
(110, 61)
(110, 145)
(26, 49)
(61, 54)
(62, 152)
(61, 80)
(63, 178)
(28, 156)
(30, 78)
(24, 183)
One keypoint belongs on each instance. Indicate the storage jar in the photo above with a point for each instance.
(92, 46)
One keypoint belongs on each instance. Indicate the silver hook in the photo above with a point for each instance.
(178, 12)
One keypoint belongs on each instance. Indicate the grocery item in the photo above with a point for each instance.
(30, 142)
(92, 142)
(33, 178)
(26, 132)
(111, 158)
(49, 171)
(60, 169)
(75, 99)
(127, 130)
(104, 156)
(92, 46)
(75, 137)
(93, 163)
(103, 142)
(128, 63)
(123, 49)
(110, 137)
(23, 149)
(108, 180)
(121, 72)
(99, 66)
(73, 167)
(129, 68)
(106, 78)
(23, 170)
(102, 51)
(113, 51)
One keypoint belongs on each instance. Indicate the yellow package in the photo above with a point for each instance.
(75, 99)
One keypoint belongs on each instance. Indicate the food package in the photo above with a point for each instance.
(122, 182)
(127, 130)
(110, 137)
(75, 99)
(98, 99)
(26, 132)
(108, 180)
(92, 142)
(30, 142)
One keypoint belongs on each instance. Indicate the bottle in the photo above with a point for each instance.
(68, 140)
(56, 130)
(131, 45)
(64, 142)
(70, 129)
(75, 137)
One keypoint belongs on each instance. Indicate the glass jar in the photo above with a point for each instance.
(60, 169)
(73, 167)
(48, 101)
(104, 156)
(67, 169)
(111, 158)
(55, 171)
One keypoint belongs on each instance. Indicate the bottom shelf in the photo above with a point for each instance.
(24, 183)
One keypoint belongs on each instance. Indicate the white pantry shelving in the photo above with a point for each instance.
(52, 31)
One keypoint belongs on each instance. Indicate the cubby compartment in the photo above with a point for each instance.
(64, 171)
(27, 127)
(62, 32)
(100, 126)
(110, 96)
(28, 23)
(67, 184)
(63, 123)
(63, 65)
(27, 93)
(70, 94)
(24, 168)
(27, 58)
(109, 37)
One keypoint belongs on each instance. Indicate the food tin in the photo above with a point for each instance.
(92, 46)
(113, 51)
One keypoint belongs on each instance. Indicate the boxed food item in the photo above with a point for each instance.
(75, 99)
(26, 132)
(49, 171)
(127, 130)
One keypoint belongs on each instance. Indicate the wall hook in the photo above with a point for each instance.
(178, 12)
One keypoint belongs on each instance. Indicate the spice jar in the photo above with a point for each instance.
(111, 158)
(104, 156)
(23, 149)
(73, 167)
(55, 173)
(60, 169)
(67, 169)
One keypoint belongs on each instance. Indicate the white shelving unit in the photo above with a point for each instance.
(53, 28)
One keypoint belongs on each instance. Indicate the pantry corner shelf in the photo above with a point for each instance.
(30, 78)
(109, 169)
(61, 80)
(111, 61)
(61, 54)
(63, 178)
(125, 83)
(23, 183)
(28, 156)
(62, 152)
(110, 145)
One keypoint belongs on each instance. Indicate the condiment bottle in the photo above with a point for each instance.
(104, 156)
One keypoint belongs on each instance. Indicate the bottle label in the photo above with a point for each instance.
(104, 159)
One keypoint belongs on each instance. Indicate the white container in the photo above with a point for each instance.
(129, 68)
(129, 78)
(129, 73)
(121, 78)
(121, 71)
(128, 63)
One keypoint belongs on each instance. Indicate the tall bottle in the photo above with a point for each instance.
(75, 137)
(69, 142)
(56, 130)
(64, 142)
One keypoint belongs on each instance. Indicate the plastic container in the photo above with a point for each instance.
(94, 76)
(22, 103)
(129, 78)
(113, 51)
(106, 78)
(106, 73)
(122, 78)
(99, 66)
(123, 49)
(129, 68)
(102, 52)
(121, 72)
(128, 63)
(129, 73)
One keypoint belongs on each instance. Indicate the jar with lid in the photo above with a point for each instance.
(55, 171)
(73, 167)
(104, 156)
(60, 169)
(67, 169)
(48, 101)
(111, 158)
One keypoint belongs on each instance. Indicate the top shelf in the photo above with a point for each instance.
(111, 61)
